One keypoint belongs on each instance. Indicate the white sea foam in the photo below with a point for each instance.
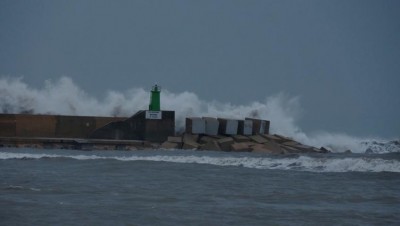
(301, 163)
(65, 97)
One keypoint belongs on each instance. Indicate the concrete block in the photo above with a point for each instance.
(212, 125)
(240, 147)
(245, 127)
(258, 139)
(195, 125)
(260, 126)
(225, 143)
(228, 126)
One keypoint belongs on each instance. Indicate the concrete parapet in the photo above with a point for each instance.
(195, 125)
(228, 126)
(260, 126)
(212, 126)
(245, 127)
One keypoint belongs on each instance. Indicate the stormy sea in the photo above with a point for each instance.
(183, 187)
(356, 184)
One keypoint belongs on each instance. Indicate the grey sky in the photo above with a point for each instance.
(341, 57)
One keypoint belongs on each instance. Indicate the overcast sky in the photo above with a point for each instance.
(342, 58)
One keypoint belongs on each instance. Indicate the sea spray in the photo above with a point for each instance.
(63, 96)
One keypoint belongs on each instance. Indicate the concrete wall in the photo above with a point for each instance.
(35, 125)
(52, 126)
(7, 125)
(138, 127)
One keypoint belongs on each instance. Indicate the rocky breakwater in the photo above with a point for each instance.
(260, 143)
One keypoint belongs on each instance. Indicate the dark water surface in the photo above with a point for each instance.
(196, 188)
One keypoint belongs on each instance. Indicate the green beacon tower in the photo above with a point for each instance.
(155, 99)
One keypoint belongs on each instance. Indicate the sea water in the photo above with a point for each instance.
(183, 187)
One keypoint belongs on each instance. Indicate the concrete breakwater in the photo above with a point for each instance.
(260, 143)
(153, 128)
(144, 131)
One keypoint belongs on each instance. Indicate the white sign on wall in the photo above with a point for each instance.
(153, 115)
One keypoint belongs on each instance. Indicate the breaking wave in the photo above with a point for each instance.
(65, 97)
(300, 163)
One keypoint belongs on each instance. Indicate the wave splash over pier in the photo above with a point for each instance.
(64, 97)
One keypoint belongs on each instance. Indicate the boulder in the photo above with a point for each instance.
(259, 139)
(240, 138)
(291, 143)
(190, 137)
(271, 137)
(305, 148)
(274, 147)
(260, 148)
(225, 143)
(240, 147)
(324, 150)
(190, 145)
(174, 139)
(283, 139)
(211, 145)
(290, 150)
(206, 139)
(170, 145)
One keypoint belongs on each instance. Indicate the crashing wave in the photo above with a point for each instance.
(65, 97)
(299, 163)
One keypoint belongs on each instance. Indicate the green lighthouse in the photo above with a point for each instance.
(155, 99)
